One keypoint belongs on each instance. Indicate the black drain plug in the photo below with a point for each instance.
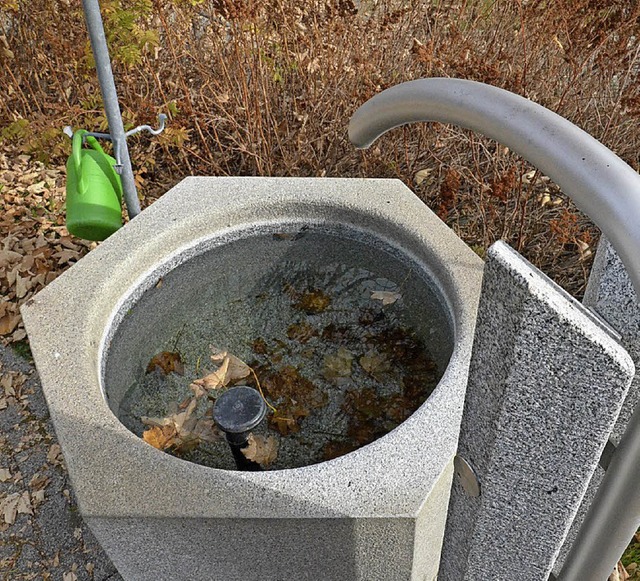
(236, 412)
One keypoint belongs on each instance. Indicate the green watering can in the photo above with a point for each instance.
(94, 191)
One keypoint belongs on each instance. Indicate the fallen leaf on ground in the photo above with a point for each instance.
(167, 362)
(337, 367)
(53, 456)
(387, 297)
(24, 503)
(261, 449)
(9, 507)
(5, 474)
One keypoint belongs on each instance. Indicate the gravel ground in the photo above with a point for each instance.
(42, 535)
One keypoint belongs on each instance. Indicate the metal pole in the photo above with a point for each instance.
(111, 106)
(603, 186)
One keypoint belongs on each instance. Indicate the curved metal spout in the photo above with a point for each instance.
(605, 188)
(599, 182)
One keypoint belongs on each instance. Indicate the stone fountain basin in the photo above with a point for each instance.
(376, 513)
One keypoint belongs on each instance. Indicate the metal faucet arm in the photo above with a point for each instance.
(599, 182)
(604, 187)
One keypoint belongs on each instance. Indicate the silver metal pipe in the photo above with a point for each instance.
(605, 188)
(111, 105)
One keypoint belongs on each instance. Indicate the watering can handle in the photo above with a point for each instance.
(76, 149)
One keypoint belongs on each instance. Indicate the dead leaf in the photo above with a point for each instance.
(214, 380)
(167, 362)
(261, 449)
(237, 369)
(387, 297)
(38, 482)
(9, 507)
(53, 456)
(619, 573)
(5, 474)
(338, 367)
(160, 438)
(8, 323)
(375, 364)
(181, 431)
(422, 175)
(24, 503)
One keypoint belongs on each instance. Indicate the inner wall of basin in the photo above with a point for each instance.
(295, 303)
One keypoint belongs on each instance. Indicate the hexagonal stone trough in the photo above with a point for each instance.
(374, 513)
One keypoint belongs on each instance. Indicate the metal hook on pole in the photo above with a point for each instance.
(162, 118)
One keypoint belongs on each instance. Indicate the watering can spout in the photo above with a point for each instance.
(599, 182)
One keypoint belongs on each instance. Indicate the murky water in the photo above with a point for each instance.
(340, 367)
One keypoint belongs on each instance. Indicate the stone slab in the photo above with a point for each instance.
(120, 480)
(546, 383)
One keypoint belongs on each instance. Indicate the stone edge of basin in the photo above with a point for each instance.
(66, 323)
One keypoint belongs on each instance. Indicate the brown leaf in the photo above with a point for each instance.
(9, 507)
(236, 368)
(284, 425)
(261, 449)
(214, 380)
(338, 367)
(375, 364)
(24, 503)
(54, 454)
(8, 323)
(167, 362)
(160, 438)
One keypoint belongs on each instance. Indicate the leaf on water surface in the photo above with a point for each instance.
(236, 368)
(337, 367)
(159, 437)
(387, 297)
(167, 362)
(261, 449)
(375, 364)
(313, 302)
(180, 431)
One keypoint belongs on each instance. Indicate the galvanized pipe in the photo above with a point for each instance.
(111, 105)
(605, 188)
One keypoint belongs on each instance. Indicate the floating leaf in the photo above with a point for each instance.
(301, 332)
(236, 368)
(287, 419)
(167, 362)
(160, 438)
(375, 364)
(180, 431)
(338, 367)
(387, 297)
(261, 449)
(313, 302)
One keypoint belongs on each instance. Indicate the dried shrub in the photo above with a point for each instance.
(267, 88)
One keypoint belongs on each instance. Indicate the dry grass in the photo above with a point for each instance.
(267, 88)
